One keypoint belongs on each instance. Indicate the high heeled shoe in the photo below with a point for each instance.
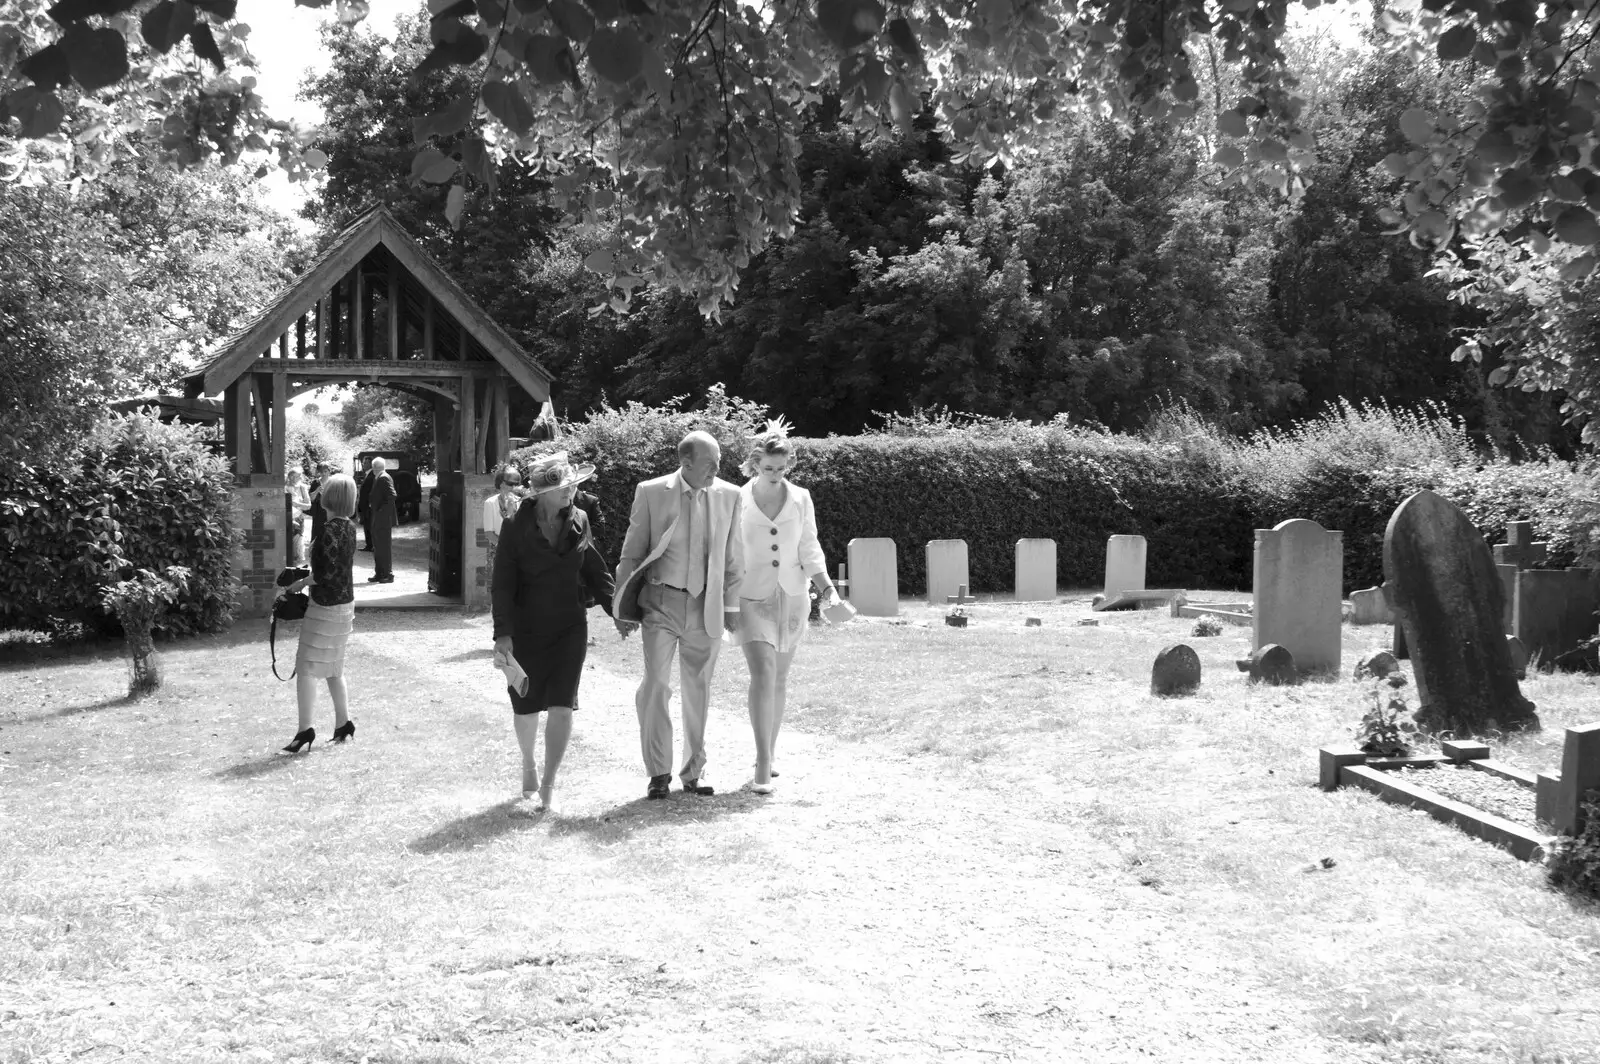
(302, 740)
(347, 730)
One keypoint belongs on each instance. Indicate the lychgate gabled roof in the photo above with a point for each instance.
(460, 331)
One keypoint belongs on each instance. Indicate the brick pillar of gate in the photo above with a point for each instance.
(259, 516)
(475, 488)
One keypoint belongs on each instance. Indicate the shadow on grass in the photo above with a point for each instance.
(629, 818)
(470, 832)
(73, 711)
(472, 655)
(249, 770)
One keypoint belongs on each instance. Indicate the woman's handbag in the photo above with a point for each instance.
(289, 606)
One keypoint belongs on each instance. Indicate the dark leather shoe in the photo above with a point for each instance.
(694, 786)
(659, 787)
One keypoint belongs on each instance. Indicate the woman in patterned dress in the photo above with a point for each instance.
(781, 554)
(330, 615)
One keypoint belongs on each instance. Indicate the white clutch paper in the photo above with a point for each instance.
(516, 679)
(839, 612)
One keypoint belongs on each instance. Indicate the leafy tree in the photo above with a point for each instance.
(672, 128)
(111, 288)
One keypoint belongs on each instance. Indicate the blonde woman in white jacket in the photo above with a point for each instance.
(781, 554)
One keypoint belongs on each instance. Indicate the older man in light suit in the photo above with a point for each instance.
(679, 574)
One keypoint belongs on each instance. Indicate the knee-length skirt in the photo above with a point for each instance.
(323, 635)
(780, 619)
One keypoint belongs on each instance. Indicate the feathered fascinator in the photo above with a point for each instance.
(777, 430)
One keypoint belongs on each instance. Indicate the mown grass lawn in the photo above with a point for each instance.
(988, 844)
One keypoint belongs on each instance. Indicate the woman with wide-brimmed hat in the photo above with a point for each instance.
(546, 567)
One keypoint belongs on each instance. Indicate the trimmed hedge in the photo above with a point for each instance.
(136, 494)
(1196, 495)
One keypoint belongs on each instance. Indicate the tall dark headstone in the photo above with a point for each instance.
(1442, 581)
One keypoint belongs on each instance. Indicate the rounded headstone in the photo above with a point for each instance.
(1376, 665)
(1176, 671)
(1273, 664)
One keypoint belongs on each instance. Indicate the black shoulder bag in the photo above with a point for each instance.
(288, 606)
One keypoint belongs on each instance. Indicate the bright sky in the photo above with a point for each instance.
(287, 46)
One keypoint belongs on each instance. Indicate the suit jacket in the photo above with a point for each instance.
(780, 553)
(382, 501)
(656, 507)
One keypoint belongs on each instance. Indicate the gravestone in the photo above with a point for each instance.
(1519, 656)
(1376, 665)
(1442, 583)
(1124, 564)
(960, 598)
(1299, 602)
(1036, 570)
(1176, 671)
(1518, 552)
(1273, 664)
(874, 577)
(1508, 588)
(947, 568)
(1519, 549)
(1580, 773)
(1555, 611)
(1369, 606)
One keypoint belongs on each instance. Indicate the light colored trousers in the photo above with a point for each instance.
(674, 622)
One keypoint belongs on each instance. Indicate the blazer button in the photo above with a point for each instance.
(774, 531)
(774, 546)
(774, 563)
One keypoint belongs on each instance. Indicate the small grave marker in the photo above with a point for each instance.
(1377, 665)
(960, 598)
(1033, 622)
(1176, 671)
(1275, 665)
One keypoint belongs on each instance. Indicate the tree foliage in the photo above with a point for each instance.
(109, 288)
(671, 127)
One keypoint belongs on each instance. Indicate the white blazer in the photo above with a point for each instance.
(782, 553)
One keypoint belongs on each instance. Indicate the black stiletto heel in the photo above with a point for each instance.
(302, 740)
(347, 730)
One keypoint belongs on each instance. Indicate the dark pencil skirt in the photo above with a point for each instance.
(554, 665)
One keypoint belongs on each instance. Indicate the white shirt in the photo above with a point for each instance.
(687, 553)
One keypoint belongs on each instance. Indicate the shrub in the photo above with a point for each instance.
(312, 439)
(136, 494)
(137, 602)
(1195, 492)
(1206, 626)
(1572, 862)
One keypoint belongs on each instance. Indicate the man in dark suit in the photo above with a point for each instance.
(319, 516)
(383, 521)
(364, 508)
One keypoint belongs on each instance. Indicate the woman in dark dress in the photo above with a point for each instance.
(325, 630)
(545, 569)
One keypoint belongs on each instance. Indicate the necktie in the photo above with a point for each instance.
(697, 544)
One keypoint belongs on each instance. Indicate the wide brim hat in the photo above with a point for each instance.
(552, 472)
